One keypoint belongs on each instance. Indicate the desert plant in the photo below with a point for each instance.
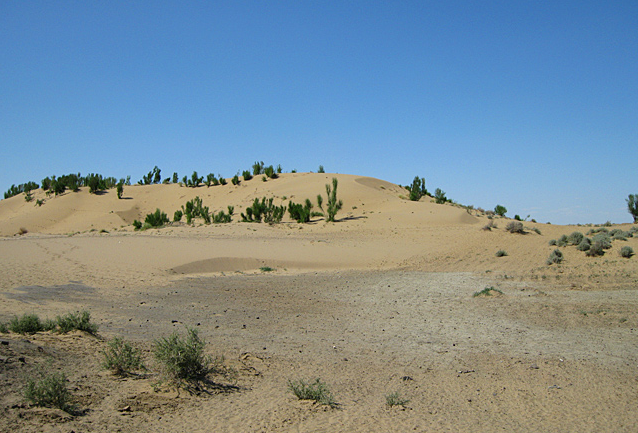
(4, 328)
(235, 180)
(632, 206)
(563, 241)
(333, 206)
(120, 189)
(48, 390)
(177, 216)
(211, 180)
(300, 213)
(500, 210)
(603, 238)
(270, 172)
(515, 227)
(28, 197)
(439, 196)
(536, 230)
(575, 238)
(195, 180)
(321, 169)
(266, 269)
(279, 169)
(26, 324)
(316, 391)
(122, 358)
(552, 242)
(175, 178)
(265, 210)
(155, 219)
(555, 256)
(258, 168)
(501, 253)
(195, 209)
(222, 180)
(518, 217)
(584, 245)
(222, 217)
(626, 252)
(137, 225)
(80, 321)
(395, 399)
(417, 190)
(182, 361)
(596, 249)
(487, 292)
(247, 175)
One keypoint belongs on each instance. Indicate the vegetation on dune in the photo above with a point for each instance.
(152, 220)
(265, 210)
(312, 390)
(417, 189)
(333, 205)
(556, 256)
(632, 206)
(122, 358)
(48, 390)
(500, 210)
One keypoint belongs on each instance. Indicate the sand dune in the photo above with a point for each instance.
(379, 301)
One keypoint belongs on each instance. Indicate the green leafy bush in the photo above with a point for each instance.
(235, 180)
(247, 175)
(265, 210)
(258, 168)
(137, 225)
(575, 238)
(155, 219)
(333, 206)
(26, 324)
(556, 256)
(120, 189)
(604, 239)
(195, 209)
(501, 253)
(321, 169)
(500, 210)
(122, 358)
(300, 213)
(80, 321)
(177, 216)
(417, 189)
(270, 172)
(584, 245)
(48, 390)
(626, 252)
(316, 391)
(439, 196)
(487, 292)
(563, 241)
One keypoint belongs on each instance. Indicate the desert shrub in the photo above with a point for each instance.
(500, 210)
(575, 238)
(501, 253)
(247, 175)
(48, 390)
(300, 213)
(152, 177)
(266, 269)
(279, 169)
(80, 321)
(487, 292)
(177, 216)
(58, 187)
(333, 206)
(175, 179)
(137, 225)
(316, 391)
(439, 196)
(222, 217)
(235, 180)
(517, 217)
(556, 256)
(584, 245)
(321, 169)
(28, 197)
(596, 249)
(155, 219)
(26, 324)
(4, 328)
(395, 399)
(417, 189)
(265, 210)
(563, 241)
(122, 358)
(270, 172)
(195, 180)
(552, 242)
(120, 189)
(603, 239)
(536, 230)
(258, 168)
(222, 180)
(515, 227)
(46, 183)
(195, 209)
(619, 235)
(632, 206)
(211, 180)
(626, 252)
(182, 361)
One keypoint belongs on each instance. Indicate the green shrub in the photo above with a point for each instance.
(439, 196)
(39, 202)
(619, 235)
(395, 399)
(183, 362)
(584, 245)
(316, 391)
(80, 321)
(222, 181)
(552, 242)
(487, 292)
(321, 170)
(417, 189)
(517, 217)
(258, 168)
(122, 358)
(195, 209)
(137, 224)
(500, 210)
(604, 239)
(563, 241)
(175, 178)
(515, 227)
(177, 216)
(120, 189)
(626, 252)
(265, 210)
(556, 256)
(333, 205)
(596, 249)
(4, 329)
(27, 324)
(28, 197)
(156, 219)
(575, 238)
(49, 390)
(266, 269)
(247, 175)
(501, 253)
(536, 230)
(223, 218)
(235, 180)
(300, 213)
(270, 172)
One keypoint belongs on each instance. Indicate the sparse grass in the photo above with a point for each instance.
(48, 390)
(316, 391)
(556, 256)
(395, 399)
(80, 321)
(122, 358)
(501, 253)
(487, 292)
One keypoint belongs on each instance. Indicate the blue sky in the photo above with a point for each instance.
(532, 105)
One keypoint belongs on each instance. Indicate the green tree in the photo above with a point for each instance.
(500, 210)
(334, 205)
(632, 206)
(439, 196)
(417, 190)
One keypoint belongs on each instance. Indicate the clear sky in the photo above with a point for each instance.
(532, 105)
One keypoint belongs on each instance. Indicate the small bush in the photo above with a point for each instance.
(183, 362)
(39, 202)
(395, 399)
(265, 210)
(556, 256)
(247, 175)
(626, 252)
(177, 216)
(137, 225)
(439, 196)
(575, 238)
(316, 391)
(49, 390)
(552, 242)
(321, 169)
(195, 209)
(120, 189)
(596, 249)
(270, 172)
(27, 324)
(501, 253)
(258, 168)
(563, 241)
(537, 230)
(487, 292)
(122, 358)
(333, 205)
(604, 239)
(417, 190)
(235, 180)
(584, 245)
(3, 328)
(500, 210)
(266, 269)
(300, 213)
(80, 321)
(515, 227)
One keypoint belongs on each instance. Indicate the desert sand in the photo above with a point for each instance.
(380, 301)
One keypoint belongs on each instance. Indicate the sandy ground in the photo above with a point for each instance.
(380, 302)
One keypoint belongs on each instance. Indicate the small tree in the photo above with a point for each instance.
(321, 169)
(120, 189)
(500, 210)
(632, 206)
(334, 205)
(175, 178)
(417, 190)
(439, 196)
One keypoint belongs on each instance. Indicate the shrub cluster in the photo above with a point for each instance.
(153, 177)
(556, 256)
(31, 323)
(264, 209)
(515, 227)
(122, 358)
(314, 390)
(155, 219)
(417, 189)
